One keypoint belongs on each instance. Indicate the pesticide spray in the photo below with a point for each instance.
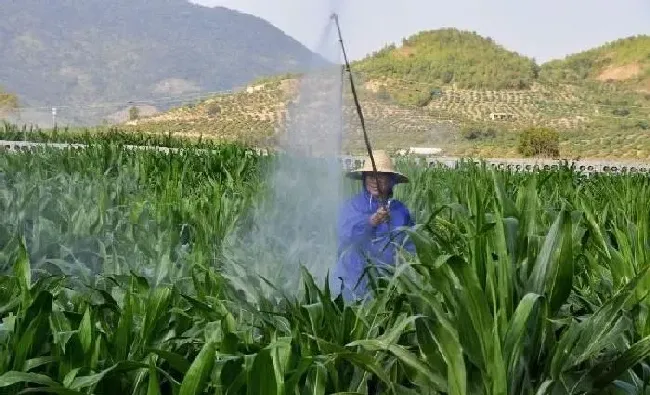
(294, 224)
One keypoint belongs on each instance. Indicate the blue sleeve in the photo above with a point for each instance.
(353, 226)
(353, 229)
(410, 221)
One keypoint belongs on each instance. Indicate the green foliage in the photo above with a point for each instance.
(422, 99)
(621, 112)
(478, 131)
(451, 56)
(270, 79)
(96, 135)
(134, 113)
(577, 68)
(523, 283)
(8, 101)
(213, 109)
(643, 125)
(539, 141)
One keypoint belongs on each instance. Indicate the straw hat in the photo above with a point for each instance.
(384, 165)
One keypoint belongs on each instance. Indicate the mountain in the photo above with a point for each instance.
(91, 57)
(259, 115)
(430, 60)
(624, 62)
(452, 56)
(447, 88)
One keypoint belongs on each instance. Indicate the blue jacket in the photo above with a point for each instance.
(359, 241)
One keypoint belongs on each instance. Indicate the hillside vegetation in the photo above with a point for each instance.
(623, 61)
(8, 101)
(450, 56)
(260, 116)
(110, 53)
(408, 100)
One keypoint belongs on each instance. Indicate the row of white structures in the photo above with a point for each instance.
(350, 162)
(530, 164)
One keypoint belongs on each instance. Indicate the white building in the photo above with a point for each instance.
(420, 151)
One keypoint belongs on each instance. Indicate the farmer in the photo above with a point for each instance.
(364, 225)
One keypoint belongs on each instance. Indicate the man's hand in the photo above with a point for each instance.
(380, 216)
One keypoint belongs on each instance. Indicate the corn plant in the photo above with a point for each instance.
(115, 278)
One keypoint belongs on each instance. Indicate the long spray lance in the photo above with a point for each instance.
(335, 17)
(384, 202)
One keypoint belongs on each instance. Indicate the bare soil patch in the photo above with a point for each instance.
(620, 73)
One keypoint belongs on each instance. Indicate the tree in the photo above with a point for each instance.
(213, 109)
(8, 101)
(477, 131)
(536, 69)
(539, 141)
(447, 77)
(134, 113)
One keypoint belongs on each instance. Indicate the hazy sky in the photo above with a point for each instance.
(544, 29)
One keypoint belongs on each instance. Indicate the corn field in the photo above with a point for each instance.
(111, 282)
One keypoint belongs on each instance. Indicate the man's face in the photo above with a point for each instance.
(382, 183)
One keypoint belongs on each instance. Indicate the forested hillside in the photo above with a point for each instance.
(452, 56)
(442, 88)
(622, 61)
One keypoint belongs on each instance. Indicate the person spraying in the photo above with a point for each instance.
(369, 227)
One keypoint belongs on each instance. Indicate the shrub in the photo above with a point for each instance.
(422, 99)
(539, 141)
(8, 101)
(644, 125)
(475, 132)
(447, 77)
(213, 109)
(621, 112)
(134, 113)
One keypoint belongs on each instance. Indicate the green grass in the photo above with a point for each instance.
(113, 282)
(101, 134)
